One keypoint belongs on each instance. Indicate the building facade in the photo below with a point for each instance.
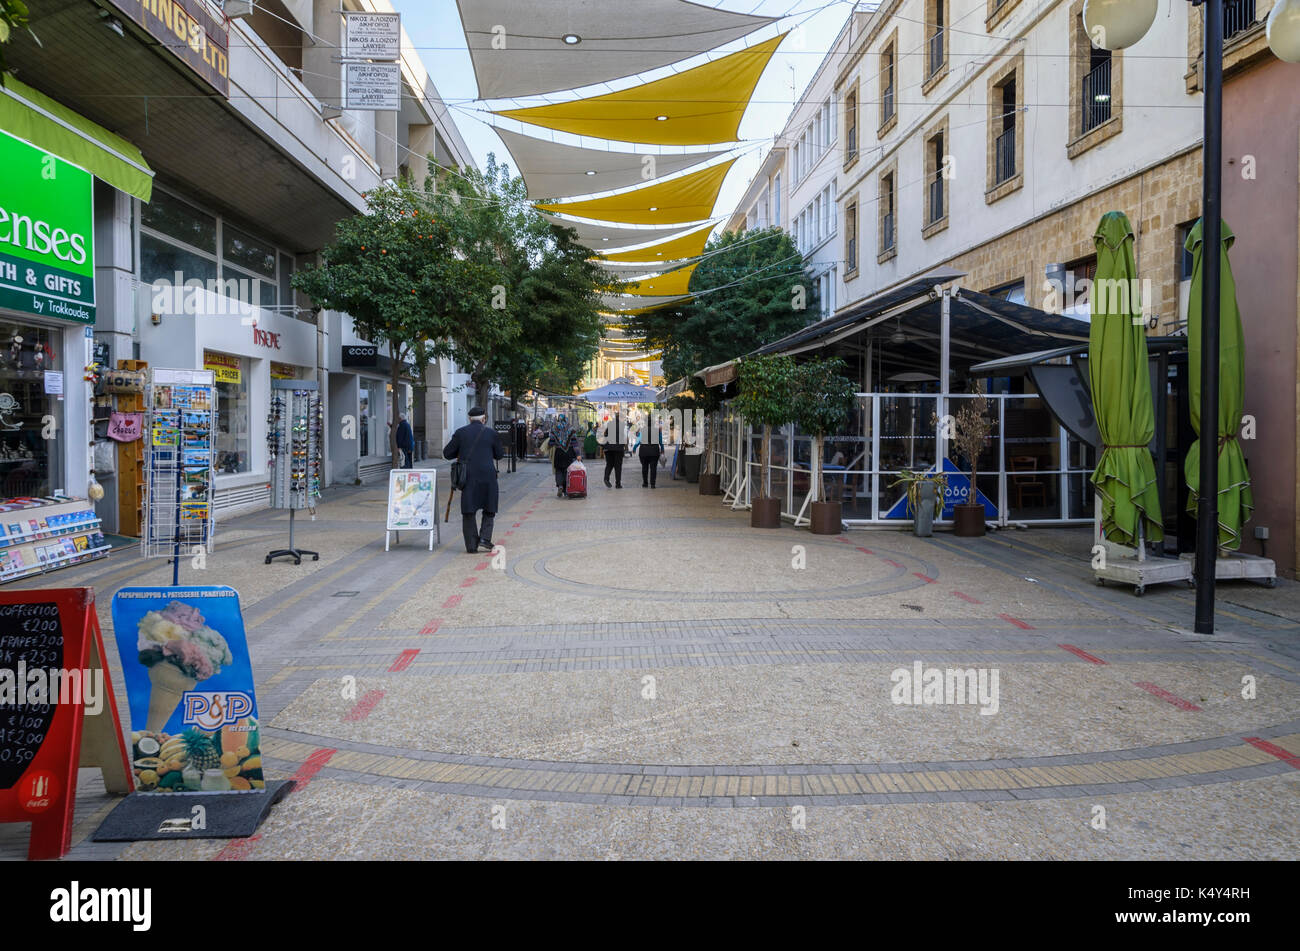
(253, 161)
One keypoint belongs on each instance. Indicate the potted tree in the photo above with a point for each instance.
(823, 399)
(766, 398)
(971, 430)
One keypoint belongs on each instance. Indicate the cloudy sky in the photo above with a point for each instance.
(435, 29)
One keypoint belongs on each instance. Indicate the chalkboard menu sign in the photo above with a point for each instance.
(57, 712)
(31, 659)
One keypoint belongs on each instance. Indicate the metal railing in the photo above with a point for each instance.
(887, 231)
(1096, 96)
(1238, 17)
(851, 144)
(936, 53)
(936, 198)
(1004, 149)
(887, 104)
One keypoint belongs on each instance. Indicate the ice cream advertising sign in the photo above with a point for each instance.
(47, 253)
(189, 681)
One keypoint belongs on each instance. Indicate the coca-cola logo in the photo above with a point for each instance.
(264, 338)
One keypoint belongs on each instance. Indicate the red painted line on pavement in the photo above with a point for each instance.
(310, 767)
(516, 525)
(365, 705)
(926, 578)
(481, 565)
(451, 602)
(404, 660)
(432, 626)
(467, 582)
(1016, 621)
(1080, 652)
(866, 551)
(967, 598)
(509, 533)
(1165, 695)
(841, 538)
(237, 850)
(890, 561)
(1273, 749)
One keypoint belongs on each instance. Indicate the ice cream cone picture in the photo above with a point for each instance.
(169, 686)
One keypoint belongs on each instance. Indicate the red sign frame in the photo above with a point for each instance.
(46, 792)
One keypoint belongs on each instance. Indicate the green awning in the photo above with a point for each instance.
(54, 128)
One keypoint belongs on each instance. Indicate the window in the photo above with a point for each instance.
(851, 128)
(794, 163)
(1096, 82)
(776, 199)
(231, 446)
(888, 230)
(851, 238)
(29, 464)
(936, 191)
(828, 122)
(936, 38)
(887, 63)
(1005, 141)
(1184, 256)
(997, 12)
(1015, 293)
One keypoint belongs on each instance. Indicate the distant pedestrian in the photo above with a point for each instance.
(405, 442)
(612, 440)
(649, 448)
(477, 448)
(564, 443)
(590, 444)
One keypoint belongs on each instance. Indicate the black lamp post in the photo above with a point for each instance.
(1115, 24)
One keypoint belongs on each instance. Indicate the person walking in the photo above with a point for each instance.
(405, 441)
(564, 442)
(614, 449)
(590, 444)
(477, 448)
(649, 449)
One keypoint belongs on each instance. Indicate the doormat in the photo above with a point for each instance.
(144, 816)
(121, 541)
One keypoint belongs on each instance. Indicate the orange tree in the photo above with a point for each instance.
(397, 271)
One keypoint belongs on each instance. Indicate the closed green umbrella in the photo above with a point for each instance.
(1125, 476)
(1236, 501)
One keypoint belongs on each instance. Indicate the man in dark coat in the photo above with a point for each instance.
(405, 441)
(614, 441)
(477, 447)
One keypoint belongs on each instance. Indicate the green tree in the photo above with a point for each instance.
(823, 400)
(767, 396)
(396, 271)
(13, 16)
(751, 288)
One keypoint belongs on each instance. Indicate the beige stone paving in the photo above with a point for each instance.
(835, 713)
(1250, 820)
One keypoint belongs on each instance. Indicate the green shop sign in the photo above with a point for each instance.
(47, 242)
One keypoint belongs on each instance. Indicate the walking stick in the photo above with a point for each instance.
(450, 495)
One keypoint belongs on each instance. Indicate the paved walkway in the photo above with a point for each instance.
(641, 675)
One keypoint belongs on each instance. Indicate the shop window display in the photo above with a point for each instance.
(30, 419)
(232, 442)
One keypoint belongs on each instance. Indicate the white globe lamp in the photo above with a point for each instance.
(1117, 24)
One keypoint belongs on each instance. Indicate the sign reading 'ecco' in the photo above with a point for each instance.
(47, 244)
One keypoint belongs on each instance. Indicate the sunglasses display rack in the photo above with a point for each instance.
(295, 446)
(178, 479)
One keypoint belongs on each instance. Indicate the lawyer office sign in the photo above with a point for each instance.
(47, 241)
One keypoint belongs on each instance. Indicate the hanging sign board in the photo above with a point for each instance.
(373, 36)
(57, 712)
(372, 86)
(412, 502)
(190, 32)
(189, 682)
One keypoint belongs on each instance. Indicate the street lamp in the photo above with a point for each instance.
(1113, 25)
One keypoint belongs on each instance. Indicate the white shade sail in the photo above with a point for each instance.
(620, 304)
(519, 48)
(603, 237)
(552, 170)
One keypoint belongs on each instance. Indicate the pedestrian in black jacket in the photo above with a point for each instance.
(477, 447)
(615, 445)
(405, 441)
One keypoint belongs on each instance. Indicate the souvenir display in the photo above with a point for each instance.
(295, 445)
(178, 514)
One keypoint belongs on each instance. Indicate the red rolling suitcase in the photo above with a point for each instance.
(575, 483)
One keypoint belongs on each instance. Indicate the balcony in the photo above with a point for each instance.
(1096, 97)
(1004, 152)
(1238, 17)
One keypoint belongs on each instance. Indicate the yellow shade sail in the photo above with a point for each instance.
(676, 282)
(678, 200)
(689, 245)
(699, 106)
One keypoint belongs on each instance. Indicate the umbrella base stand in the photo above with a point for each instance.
(1140, 573)
(1237, 567)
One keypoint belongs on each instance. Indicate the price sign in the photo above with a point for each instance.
(57, 712)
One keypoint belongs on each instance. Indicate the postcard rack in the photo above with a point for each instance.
(295, 447)
(178, 494)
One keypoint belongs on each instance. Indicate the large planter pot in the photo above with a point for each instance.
(765, 513)
(968, 521)
(711, 483)
(826, 518)
(691, 467)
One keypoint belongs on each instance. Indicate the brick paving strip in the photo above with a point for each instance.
(1200, 762)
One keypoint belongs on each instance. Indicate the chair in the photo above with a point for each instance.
(1027, 484)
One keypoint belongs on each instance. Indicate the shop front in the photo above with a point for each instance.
(50, 157)
(360, 407)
